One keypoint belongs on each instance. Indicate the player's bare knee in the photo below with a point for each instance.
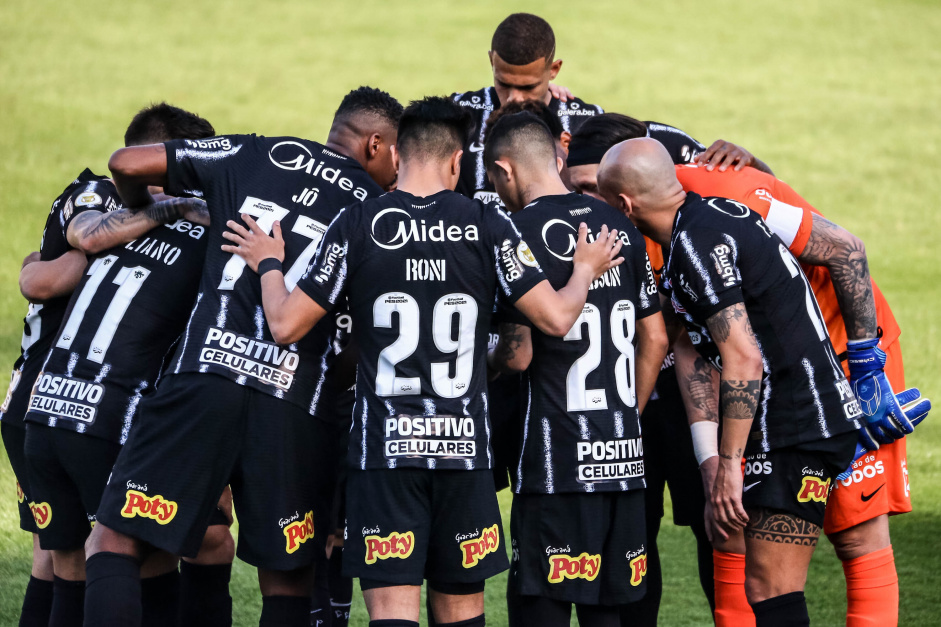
(861, 539)
(105, 540)
(218, 547)
(290, 583)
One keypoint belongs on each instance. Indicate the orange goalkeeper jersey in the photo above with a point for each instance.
(791, 218)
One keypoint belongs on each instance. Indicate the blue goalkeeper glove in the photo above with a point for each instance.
(915, 409)
(883, 417)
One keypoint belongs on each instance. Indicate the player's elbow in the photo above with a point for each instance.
(283, 332)
(520, 360)
(555, 324)
(121, 164)
(32, 290)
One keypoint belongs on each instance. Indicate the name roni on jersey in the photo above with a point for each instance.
(265, 361)
(430, 436)
(63, 396)
(613, 460)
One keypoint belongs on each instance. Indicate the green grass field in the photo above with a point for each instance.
(839, 97)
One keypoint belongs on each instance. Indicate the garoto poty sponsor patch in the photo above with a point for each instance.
(430, 436)
(66, 397)
(613, 460)
(265, 361)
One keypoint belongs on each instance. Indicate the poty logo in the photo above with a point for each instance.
(20, 496)
(398, 545)
(813, 489)
(638, 569)
(476, 549)
(153, 507)
(563, 567)
(299, 532)
(42, 514)
(410, 230)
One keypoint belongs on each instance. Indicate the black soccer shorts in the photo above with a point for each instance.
(797, 479)
(405, 525)
(588, 549)
(14, 438)
(199, 432)
(68, 472)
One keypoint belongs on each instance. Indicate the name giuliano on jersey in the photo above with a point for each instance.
(581, 431)
(721, 254)
(303, 185)
(473, 181)
(421, 276)
(88, 192)
(121, 323)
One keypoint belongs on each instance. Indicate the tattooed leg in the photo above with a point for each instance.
(778, 548)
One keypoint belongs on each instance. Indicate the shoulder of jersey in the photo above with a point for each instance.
(577, 104)
(480, 100)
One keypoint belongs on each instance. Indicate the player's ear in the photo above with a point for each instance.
(565, 139)
(395, 156)
(502, 168)
(625, 205)
(554, 69)
(490, 56)
(372, 145)
(559, 164)
(456, 162)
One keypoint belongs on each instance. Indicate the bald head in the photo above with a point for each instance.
(638, 177)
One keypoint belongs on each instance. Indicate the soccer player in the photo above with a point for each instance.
(669, 459)
(783, 395)
(858, 319)
(87, 217)
(421, 267)
(236, 408)
(578, 486)
(124, 317)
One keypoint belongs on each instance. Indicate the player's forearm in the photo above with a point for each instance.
(44, 280)
(92, 232)
(698, 381)
(274, 296)
(652, 347)
(514, 350)
(738, 399)
(844, 255)
(135, 168)
(570, 301)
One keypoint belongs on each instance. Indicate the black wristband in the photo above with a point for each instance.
(269, 264)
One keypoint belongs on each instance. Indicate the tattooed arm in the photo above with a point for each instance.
(738, 401)
(844, 255)
(92, 231)
(514, 350)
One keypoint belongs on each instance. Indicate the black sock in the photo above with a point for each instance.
(204, 595)
(786, 610)
(341, 589)
(68, 603)
(598, 615)
(321, 614)
(704, 561)
(477, 621)
(37, 603)
(393, 622)
(526, 611)
(284, 611)
(112, 590)
(160, 599)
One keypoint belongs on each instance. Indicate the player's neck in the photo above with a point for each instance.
(661, 226)
(345, 143)
(538, 182)
(424, 179)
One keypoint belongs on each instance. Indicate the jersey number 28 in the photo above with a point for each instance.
(578, 398)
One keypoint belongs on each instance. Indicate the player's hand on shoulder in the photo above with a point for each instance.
(600, 255)
(252, 244)
(560, 92)
(722, 154)
(30, 258)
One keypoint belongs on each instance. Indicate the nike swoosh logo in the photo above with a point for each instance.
(750, 486)
(866, 497)
(475, 147)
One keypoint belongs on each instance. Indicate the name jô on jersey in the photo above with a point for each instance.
(410, 230)
(66, 397)
(292, 156)
(615, 460)
(425, 269)
(430, 436)
(266, 361)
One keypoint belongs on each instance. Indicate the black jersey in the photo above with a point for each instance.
(121, 322)
(89, 192)
(303, 185)
(473, 182)
(581, 427)
(681, 146)
(421, 275)
(721, 254)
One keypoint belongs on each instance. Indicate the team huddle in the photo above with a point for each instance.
(357, 343)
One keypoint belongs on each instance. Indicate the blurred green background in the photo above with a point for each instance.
(839, 97)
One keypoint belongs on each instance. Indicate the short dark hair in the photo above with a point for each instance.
(162, 122)
(537, 108)
(523, 38)
(515, 133)
(370, 101)
(433, 128)
(598, 133)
